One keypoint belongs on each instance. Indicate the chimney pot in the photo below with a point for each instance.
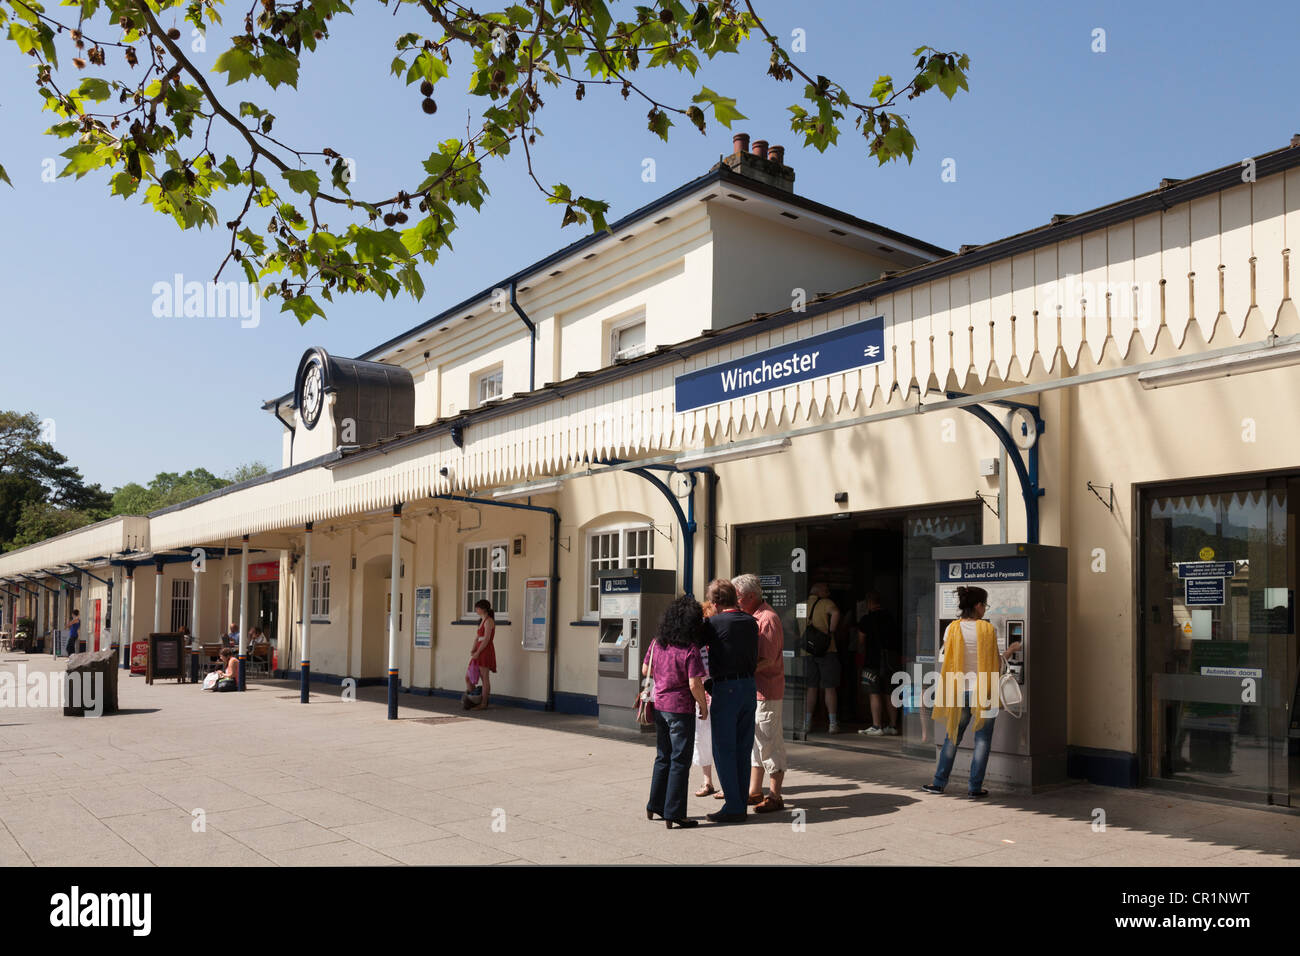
(740, 143)
(777, 154)
(760, 148)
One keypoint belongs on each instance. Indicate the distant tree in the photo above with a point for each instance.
(41, 520)
(32, 472)
(246, 471)
(166, 489)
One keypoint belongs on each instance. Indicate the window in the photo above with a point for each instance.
(627, 340)
(320, 593)
(621, 548)
(487, 574)
(490, 385)
(180, 604)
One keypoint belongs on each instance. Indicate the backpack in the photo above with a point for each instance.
(815, 641)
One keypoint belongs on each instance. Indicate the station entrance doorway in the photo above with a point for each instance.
(876, 561)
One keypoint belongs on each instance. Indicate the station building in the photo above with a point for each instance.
(689, 392)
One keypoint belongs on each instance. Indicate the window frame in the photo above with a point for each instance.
(618, 328)
(498, 372)
(182, 604)
(314, 599)
(590, 587)
(468, 597)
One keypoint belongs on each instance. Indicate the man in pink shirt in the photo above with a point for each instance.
(769, 678)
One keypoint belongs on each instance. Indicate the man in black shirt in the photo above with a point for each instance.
(733, 655)
(879, 639)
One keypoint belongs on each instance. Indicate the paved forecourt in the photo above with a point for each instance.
(186, 777)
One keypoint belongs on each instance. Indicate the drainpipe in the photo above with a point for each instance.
(532, 336)
(553, 616)
(711, 522)
(289, 428)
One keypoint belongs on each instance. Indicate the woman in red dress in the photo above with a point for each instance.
(484, 653)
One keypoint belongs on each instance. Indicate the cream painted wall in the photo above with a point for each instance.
(757, 262)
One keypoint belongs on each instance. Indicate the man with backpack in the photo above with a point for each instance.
(823, 661)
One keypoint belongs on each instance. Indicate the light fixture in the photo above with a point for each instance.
(523, 491)
(1255, 360)
(732, 452)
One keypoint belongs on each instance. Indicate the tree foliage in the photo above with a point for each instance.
(131, 103)
(36, 477)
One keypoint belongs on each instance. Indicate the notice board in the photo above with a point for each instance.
(166, 657)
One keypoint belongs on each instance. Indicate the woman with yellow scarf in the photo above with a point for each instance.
(968, 685)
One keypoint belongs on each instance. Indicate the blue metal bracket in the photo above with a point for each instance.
(686, 520)
(1030, 490)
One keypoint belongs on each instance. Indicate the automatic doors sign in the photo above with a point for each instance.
(984, 569)
(1206, 569)
(839, 350)
(1204, 592)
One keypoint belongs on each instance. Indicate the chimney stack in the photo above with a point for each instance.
(759, 162)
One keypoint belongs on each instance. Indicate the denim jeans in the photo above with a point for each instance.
(979, 760)
(672, 773)
(732, 717)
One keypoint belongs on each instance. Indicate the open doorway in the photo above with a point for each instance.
(876, 571)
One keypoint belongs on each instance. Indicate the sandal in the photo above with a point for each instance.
(705, 791)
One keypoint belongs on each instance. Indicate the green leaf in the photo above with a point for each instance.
(4, 177)
(279, 64)
(724, 107)
(303, 307)
(659, 124)
(94, 89)
(373, 245)
(237, 63)
(303, 181)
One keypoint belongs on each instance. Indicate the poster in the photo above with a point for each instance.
(537, 600)
(424, 617)
(139, 656)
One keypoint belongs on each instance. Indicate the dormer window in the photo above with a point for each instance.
(627, 339)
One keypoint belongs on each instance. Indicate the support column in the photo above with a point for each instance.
(128, 592)
(195, 604)
(394, 586)
(157, 597)
(243, 613)
(304, 673)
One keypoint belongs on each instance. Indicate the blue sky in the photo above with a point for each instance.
(1049, 126)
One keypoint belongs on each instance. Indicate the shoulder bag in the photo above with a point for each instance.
(645, 697)
(815, 641)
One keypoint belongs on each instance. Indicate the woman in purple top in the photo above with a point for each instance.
(674, 663)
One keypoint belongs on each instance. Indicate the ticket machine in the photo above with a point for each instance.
(632, 600)
(1026, 584)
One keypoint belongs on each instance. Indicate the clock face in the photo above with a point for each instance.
(313, 393)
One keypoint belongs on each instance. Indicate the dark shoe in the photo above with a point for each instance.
(683, 824)
(976, 794)
(721, 817)
(770, 804)
(931, 788)
(651, 814)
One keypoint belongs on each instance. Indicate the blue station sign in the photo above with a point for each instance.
(829, 353)
(1207, 569)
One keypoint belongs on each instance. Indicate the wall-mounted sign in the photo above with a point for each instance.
(839, 350)
(264, 571)
(424, 617)
(1204, 592)
(537, 604)
(984, 569)
(1207, 569)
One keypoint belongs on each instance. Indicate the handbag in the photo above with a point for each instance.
(472, 673)
(815, 641)
(210, 681)
(645, 697)
(1010, 697)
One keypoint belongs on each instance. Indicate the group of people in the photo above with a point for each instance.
(718, 674)
(718, 679)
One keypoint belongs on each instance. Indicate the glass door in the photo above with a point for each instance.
(779, 556)
(1218, 629)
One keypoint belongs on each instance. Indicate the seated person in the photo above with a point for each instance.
(229, 679)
